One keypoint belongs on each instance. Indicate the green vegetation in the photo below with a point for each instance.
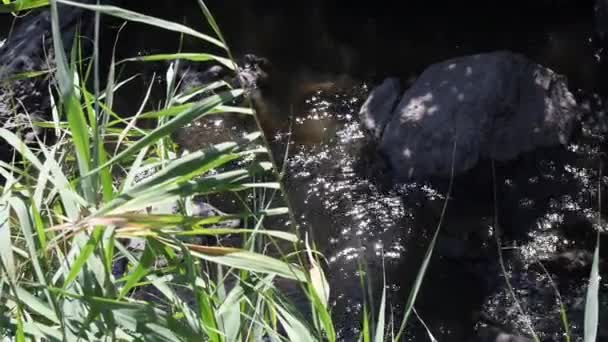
(68, 210)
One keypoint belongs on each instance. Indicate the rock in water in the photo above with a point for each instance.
(378, 108)
(491, 106)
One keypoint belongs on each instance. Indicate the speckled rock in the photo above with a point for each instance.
(487, 106)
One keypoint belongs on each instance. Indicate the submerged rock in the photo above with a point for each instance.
(487, 106)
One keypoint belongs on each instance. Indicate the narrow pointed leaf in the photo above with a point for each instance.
(144, 19)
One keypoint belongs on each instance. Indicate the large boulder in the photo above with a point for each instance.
(487, 106)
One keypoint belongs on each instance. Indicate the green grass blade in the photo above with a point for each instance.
(177, 122)
(63, 74)
(189, 56)
(140, 271)
(168, 193)
(229, 313)
(166, 112)
(39, 226)
(25, 75)
(245, 260)
(204, 303)
(75, 115)
(70, 199)
(381, 323)
(409, 306)
(107, 186)
(83, 256)
(6, 244)
(35, 304)
(21, 5)
(144, 19)
(366, 334)
(25, 223)
(224, 231)
(294, 328)
(168, 183)
(20, 336)
(41, 331)
(135, 169)
(211, 20)
(20, 147)
(200, 90)
(592, 300)
(318, 281)
(194, 164)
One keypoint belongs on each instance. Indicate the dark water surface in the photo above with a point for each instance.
(326, 55)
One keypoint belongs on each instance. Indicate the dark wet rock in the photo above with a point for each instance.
(252, 75)
(492, 106)
(30, 49)
(252, 72)
(191, 78)
(377, 110)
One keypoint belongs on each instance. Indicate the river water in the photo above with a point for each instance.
(325, 58)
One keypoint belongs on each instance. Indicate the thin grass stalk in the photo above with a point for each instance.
(560, 302)
(497, 233)
(429, 253)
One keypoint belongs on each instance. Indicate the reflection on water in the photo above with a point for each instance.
(347, 215)
(362, 224)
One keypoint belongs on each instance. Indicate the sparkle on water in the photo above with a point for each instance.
(355, 222)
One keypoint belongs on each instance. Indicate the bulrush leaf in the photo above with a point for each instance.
(35, 304)
(245, 260)
(142, 268)
(194, 57)
(175, 180)
(85, 252)
(72, 108)
(317, 278)
(592, 301)
(145, 19)
(380, 324)
(133, 224)
(295, 328)
(179, 121)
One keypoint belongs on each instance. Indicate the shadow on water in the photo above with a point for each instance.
(325, 58)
